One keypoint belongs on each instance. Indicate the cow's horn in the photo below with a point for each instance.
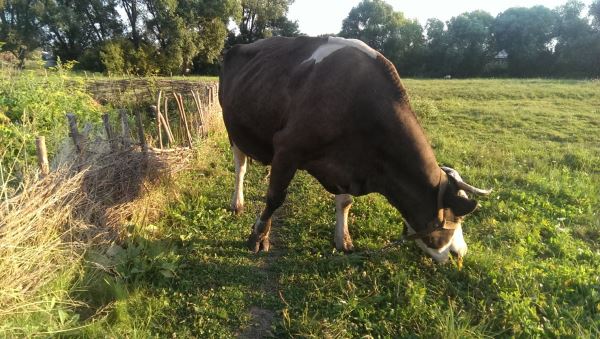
(468, 188)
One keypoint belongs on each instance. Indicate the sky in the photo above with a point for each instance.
(325, 16)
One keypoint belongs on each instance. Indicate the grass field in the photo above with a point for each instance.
(533, 267)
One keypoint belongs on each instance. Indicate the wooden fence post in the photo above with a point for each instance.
(74, 133)
(109, 132)
(183, 118)
(200, 127)
(156, 111)
(166, 115)
(140, 130)
(125, 128)
(42, 155)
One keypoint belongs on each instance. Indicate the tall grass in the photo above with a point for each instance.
(32, 104)
(182, 267)
(38, 248)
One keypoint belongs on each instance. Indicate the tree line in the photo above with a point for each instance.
(519, 42)
(180, 36)
(138, 36)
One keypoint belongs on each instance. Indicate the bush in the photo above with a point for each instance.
(32, 105)
(121, 57)
(112, 57)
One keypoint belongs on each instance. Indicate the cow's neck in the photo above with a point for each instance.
(412, 174)
(415, 198)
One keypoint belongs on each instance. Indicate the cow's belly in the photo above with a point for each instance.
(256, 144)
(338, 178)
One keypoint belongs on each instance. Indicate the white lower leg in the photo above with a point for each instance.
(343, 241)
(240, 160)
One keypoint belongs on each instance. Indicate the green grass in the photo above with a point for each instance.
(533, 267)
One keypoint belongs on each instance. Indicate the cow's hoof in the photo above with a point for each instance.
(257, 243)
(237, 209)
(346, 247)
(349, 247)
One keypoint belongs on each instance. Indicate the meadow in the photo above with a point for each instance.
(533, 266)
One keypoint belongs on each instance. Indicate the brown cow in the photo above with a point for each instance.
(337, 109)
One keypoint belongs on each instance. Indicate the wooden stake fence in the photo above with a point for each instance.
(192, 123)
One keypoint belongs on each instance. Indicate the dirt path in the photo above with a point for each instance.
(262, 318)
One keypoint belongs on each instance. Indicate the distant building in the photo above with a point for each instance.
(501, 56)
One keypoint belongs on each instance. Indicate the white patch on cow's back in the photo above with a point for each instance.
(334, 43)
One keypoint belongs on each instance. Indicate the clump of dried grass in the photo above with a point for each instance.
(35, 228)
(46, 229)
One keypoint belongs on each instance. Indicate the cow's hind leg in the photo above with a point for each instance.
(283, 169)
(241, 164)
(343, 241)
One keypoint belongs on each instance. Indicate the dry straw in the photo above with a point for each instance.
(45, 230)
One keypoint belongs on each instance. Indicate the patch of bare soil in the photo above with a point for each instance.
(262, 319)
(260, 327)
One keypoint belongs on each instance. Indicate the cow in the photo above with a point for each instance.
(336, 108)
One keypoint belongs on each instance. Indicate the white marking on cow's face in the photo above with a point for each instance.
(459, 246)
(456, 244)
(440, 255)
(335, 43)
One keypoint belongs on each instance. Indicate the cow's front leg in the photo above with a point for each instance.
(343, 241)
(241, 162)
(283, 168)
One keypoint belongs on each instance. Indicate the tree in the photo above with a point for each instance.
(134, 10)
(74, 27)
(595, 14)
(377, 24)
(184, 31)
(576, 51)
(436, 46)
(20, 29)
(264, 18)
(470, 43)
(285, 27)
(526, 34)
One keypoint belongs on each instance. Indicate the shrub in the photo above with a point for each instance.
(120, 56)
(112, 57)
(31, 105)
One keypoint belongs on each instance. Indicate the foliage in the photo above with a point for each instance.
(577, 45)
(19, 27)
(595, 14)
(187, 29)
(539, 41)
(376, 23)
(35, 105)
(174, 37)
(532, 267)
(77, 26)
(470, 43)
(526, 34)
(262, 19)
(122, 57)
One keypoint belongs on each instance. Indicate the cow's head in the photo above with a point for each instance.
(444, 234)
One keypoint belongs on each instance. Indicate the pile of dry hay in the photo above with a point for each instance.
(47, 227)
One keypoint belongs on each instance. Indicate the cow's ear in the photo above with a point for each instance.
(459, 205)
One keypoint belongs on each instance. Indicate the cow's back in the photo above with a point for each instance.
(335, 105)
(254, 90)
